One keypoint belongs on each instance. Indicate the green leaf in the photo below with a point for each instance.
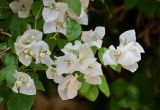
(20, 102)
(20, 24)
(101, 53)
(75, 6)
(38, 66)
(3, 46)
(116, 67)
(37, 9)
(104, 88)
(62, 43)
(92, 93)
(84, 88)
(10, 59)
(129, 4)
(73, 30)
(94, 49)
(7, 74)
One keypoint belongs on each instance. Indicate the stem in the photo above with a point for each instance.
(54, 37)
(36, 18)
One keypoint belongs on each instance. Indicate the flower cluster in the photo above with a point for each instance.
(30, 45)
(56, 15)
(22, 7)
(24, 84)
(127, 54)
(78, 61)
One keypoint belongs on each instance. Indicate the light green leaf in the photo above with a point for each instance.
(101, 53)
(92, 93)
(116, 67)
(84, 88)
(73, 30)
(104, 88)
(75, 6)
(20, 102)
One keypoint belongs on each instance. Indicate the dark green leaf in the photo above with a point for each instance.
(73, 30)
(37, 9)
(62, 43)
(10, 59)
(20, 102)
(129, 4)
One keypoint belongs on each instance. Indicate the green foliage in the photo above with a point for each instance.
(10, 59)
(73, 30)
(20, 102)
(116, 67)
(90, 92)
(101, 53)
(7, 74)
(104, 88)
(37, 9)
(75, 6)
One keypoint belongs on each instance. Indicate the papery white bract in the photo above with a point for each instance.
(24, 84)
(25, 45)
(68, 88)
(94, 38)
(52, 73)
(42, 53)
(54, 15)
(127, 54)
(22, 7)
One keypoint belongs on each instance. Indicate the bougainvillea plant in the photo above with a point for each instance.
(46, 36)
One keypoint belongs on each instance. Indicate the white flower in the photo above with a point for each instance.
(127, 54)
(66, 63)
(94, 38)
(27, 39)
(93, 72)
(22, 7)
(42, 53)
(25, 45)
(53, 74)
(24, 84)
(68, 88)
(127, 37)
(69, 48)
(54, 15)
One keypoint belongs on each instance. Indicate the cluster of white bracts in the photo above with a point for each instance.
(56, 14)
(77, 58)
(22, 7)
(127, 54)
(24, 84)
(30, 45)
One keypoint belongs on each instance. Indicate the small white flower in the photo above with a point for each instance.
(93, 71)
(42, 53)
(53, 74)
(54, 15)
(24, 84)
(68, 88)
(127, 54)
(66, 63)
(22, 7)
(25, 45)
(27, 39)
(69, 48)
(94, 38)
